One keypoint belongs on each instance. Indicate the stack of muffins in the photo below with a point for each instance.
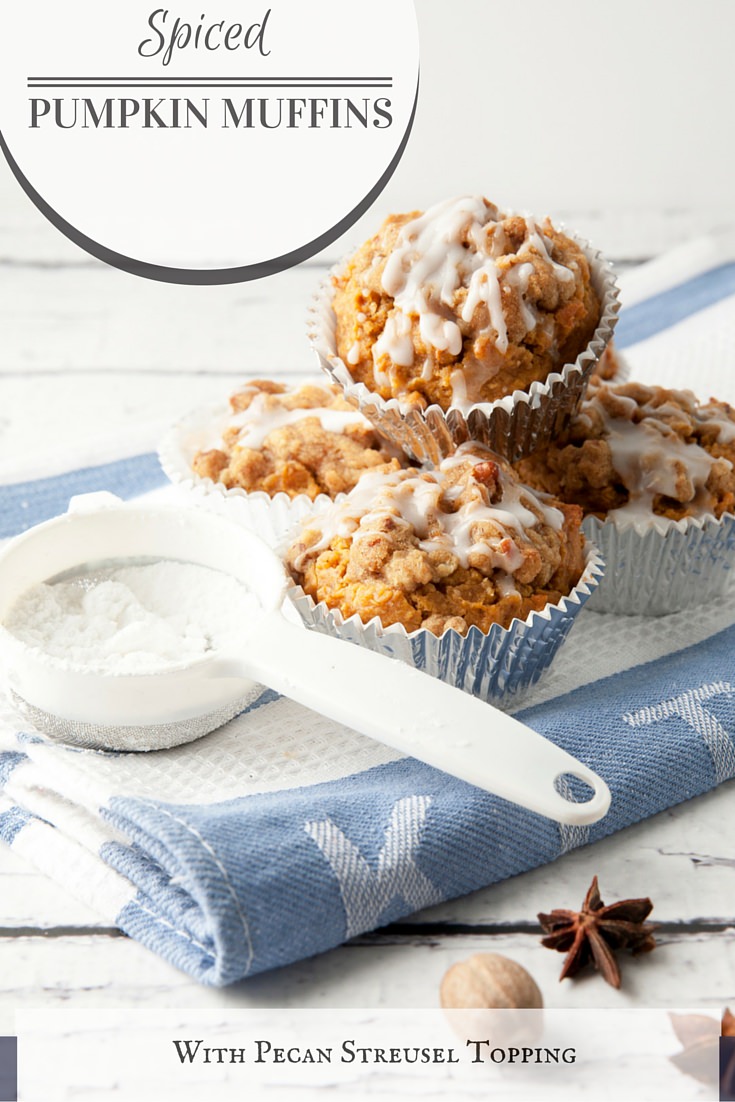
(466, 441)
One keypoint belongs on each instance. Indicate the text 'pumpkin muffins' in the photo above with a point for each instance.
(654, 471)
(466, 323)
(460, 571)
(276, 453)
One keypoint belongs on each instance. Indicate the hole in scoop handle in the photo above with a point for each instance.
(422, 716)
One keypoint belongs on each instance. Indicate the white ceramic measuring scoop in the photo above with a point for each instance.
(377, 696)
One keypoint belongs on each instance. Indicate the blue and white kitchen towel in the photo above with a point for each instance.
(283, 834)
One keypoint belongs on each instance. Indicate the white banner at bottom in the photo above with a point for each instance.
(215, 1056)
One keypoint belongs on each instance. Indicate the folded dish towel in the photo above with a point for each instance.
(282, 834)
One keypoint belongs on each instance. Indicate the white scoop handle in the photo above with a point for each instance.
(418, 715)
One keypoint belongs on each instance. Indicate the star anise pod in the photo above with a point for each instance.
(594, 933)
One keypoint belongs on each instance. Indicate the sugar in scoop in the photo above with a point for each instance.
(133, 617)
(77, 689)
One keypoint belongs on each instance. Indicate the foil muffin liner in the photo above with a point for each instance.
(662, 566)
(497, 666)
(271, 517)
(514, 426)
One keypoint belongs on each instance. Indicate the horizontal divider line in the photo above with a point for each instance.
(166, 76)
(35, 87)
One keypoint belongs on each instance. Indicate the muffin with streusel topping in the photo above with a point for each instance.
(274, 453)
(633, 450)
(425, 557)
(463, 304)
(302, 440)
(654, 471)
(462, 307)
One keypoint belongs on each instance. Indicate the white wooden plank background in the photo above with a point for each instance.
(88, 354)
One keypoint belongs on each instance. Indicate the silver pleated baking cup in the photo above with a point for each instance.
(271, 517)
(497, 666)
(665, 567)
(513, 426)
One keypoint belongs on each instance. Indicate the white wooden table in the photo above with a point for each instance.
(89, 353)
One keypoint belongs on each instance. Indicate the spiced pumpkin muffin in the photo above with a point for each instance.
(305, 440)
(462, 304)
(633, 451)
(654, 471)
(458, 547)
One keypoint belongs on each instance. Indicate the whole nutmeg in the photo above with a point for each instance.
(491, 997)
(489, 981)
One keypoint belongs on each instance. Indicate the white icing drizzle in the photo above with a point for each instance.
(418, 499)
(725, 427)
(485, 287)
(458, 384)
(440, 333)
(536, 240)
(519, 277)
(448, 247)
(651, 459)
(257, 421)
(506, 585)
(395, 342)
(513, 494)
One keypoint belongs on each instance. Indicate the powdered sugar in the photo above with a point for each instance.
(134, 618)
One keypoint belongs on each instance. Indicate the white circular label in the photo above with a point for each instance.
(206, 143)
